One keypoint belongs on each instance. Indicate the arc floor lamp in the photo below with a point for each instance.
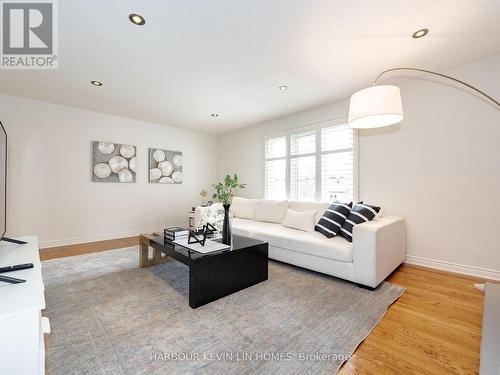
(379, 106)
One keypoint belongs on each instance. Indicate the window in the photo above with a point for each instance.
(317, 163)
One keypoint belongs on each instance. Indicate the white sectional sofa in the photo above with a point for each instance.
(377, 249)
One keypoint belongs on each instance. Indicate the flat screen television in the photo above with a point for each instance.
(3, 187)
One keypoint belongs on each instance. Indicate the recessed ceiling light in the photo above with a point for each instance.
(283, 88)
(420, 33)
(96, 83)
(137, 19)
(214, 115)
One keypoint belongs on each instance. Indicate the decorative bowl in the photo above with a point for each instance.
(102, 170)
(127, 151)
(166, 180)
(125, 176)
(177, 177)
(154, 174)
(106, 148)
(159, 155)
(132, 163)
(117, 163)
(165, 168)
(178, 160)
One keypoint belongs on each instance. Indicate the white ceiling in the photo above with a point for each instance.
(195, 57)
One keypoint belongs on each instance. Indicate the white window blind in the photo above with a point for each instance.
(303, 143)
(276, 148)
(337, 164)
(275, 168)
(303, 166)
(337, 137)
(276, 179)
(313, 164)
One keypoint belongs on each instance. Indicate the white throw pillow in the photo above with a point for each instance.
(271, 211)
(319, 207)
(244, 208)
(214, 215)
(301, 220)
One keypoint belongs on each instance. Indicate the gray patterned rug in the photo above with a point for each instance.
(109, 316)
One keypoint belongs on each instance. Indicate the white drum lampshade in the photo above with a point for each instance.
(375, 107)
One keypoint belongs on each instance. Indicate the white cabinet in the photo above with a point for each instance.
(22, 349)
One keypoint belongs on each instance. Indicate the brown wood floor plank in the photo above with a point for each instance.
(434, 328)
(87, 248)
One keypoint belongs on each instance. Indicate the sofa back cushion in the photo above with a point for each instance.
(271, 211)
(319, 207)
(244, 208)
(301, 220)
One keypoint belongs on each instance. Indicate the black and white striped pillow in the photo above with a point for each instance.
(333, 218)
(360, 213)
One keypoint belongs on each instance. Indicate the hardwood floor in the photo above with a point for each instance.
(86, 248)
(434, 328)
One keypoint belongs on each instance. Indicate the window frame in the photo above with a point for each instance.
(318, 153)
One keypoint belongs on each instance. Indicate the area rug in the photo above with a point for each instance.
(108, 316)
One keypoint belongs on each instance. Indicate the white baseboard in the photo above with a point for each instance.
(104, 237)
(454, 267)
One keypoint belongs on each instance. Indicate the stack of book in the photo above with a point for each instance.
(175, 233)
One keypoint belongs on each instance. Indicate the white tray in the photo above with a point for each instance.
(211, 246)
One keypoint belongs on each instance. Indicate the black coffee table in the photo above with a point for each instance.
(214, 275)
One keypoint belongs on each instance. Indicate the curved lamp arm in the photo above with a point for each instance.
(441, 75)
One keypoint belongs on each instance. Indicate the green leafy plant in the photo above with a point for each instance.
(224, 189)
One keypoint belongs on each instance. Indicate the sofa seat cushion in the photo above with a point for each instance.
(248, 227)
(312, 243)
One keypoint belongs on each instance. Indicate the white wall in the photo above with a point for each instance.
(50, 192)
(440, 168)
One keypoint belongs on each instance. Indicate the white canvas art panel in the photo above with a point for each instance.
(113, 162)
(165, 166)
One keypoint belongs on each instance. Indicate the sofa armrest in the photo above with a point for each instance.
(198, 214)
(378, 247)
